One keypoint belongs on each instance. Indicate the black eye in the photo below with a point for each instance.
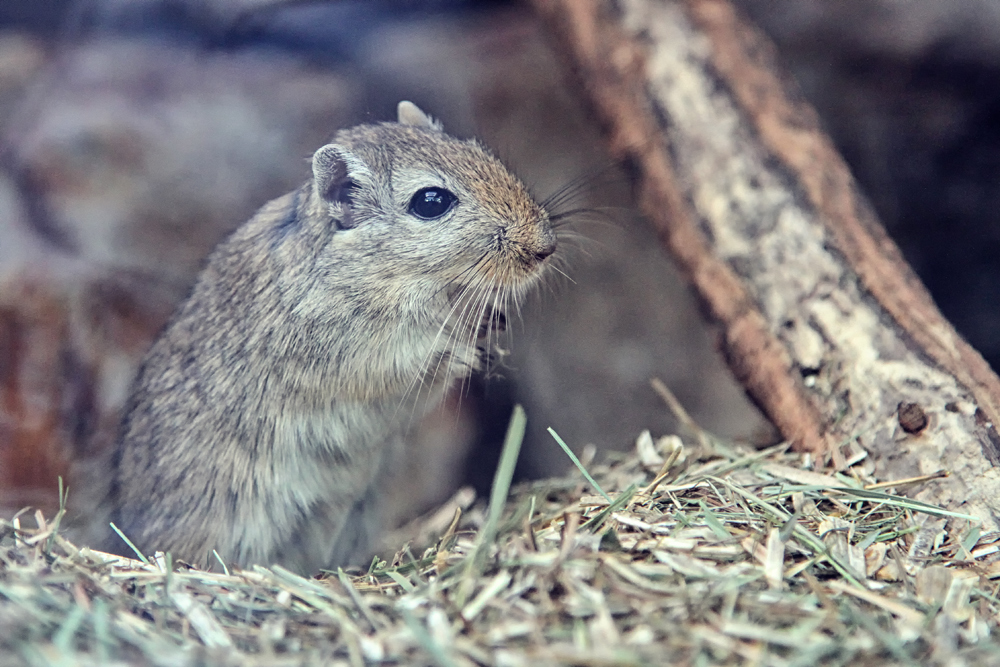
(432, 203)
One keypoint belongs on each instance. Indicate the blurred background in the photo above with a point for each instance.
(134, 134)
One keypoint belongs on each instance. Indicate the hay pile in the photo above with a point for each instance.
(683, 553)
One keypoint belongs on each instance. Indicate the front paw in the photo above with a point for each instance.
(494, 322)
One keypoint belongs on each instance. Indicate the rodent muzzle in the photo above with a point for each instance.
(546, 250)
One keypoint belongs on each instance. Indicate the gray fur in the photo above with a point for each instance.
(264, 416)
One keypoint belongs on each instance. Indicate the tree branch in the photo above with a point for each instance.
(823, 322)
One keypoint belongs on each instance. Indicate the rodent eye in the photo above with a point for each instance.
(432, 203)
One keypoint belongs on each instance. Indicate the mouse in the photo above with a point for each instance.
(274, 402)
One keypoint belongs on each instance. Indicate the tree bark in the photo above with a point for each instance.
(821, 319)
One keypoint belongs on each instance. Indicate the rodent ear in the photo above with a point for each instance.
(329, 168)
(410, 114)
(331, 174)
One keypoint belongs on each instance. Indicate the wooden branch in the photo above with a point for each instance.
(823, 322)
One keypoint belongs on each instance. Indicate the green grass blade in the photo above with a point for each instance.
(576, 462)
(129, 543)
(505, 472)
(905, 503)
(498, 498)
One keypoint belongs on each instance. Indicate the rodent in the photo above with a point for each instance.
(266, 413)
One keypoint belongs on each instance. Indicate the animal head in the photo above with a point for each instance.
(442, 207)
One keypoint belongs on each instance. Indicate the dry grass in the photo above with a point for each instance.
(707, 554)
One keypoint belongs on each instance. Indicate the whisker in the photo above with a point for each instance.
(476, 313)
(517, 304)
(575, 243)
(475, 265)
(498, 300)
(576, 185)
(426, 378)
(595, 215)
(562, 273)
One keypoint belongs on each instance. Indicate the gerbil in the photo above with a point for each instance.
(262, 417)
